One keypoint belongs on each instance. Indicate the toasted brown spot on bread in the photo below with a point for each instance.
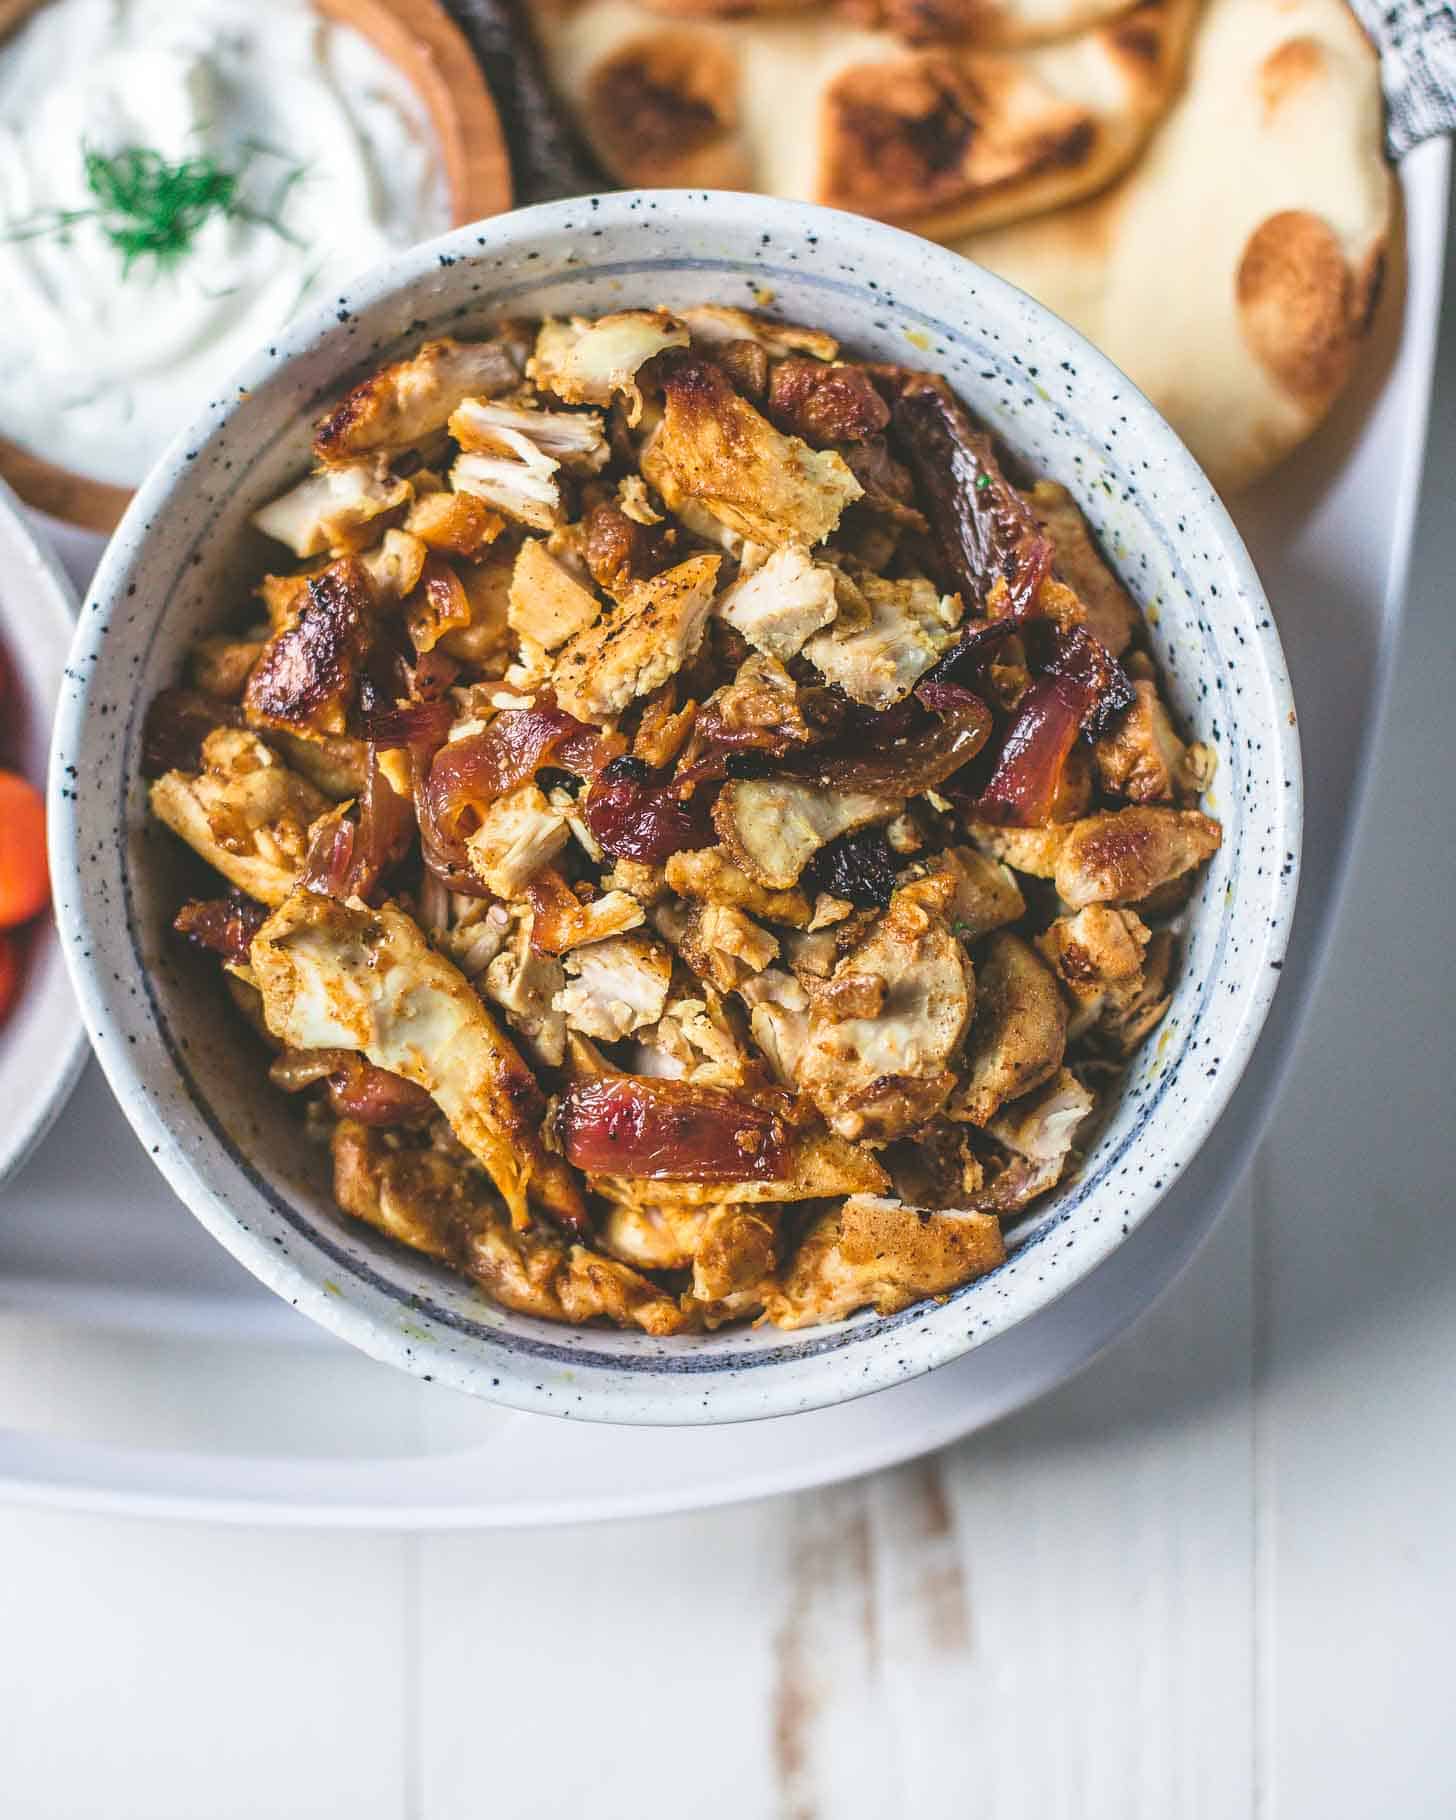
(1287, 69)
(664, 108)
(1138, 39)
(1300, 307)
(1069, 147)
(897, 135)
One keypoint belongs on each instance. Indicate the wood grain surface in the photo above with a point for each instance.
(421, 39)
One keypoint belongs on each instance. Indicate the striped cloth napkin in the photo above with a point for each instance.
(1417, 44)
(1416, 40)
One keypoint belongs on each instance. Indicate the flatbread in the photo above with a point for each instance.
(1233, 272)
(991, 23)
(996, 23)
(799, 102)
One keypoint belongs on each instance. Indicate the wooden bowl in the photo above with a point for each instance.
(426, 45)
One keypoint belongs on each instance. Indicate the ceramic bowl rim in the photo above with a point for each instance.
(510, 1377)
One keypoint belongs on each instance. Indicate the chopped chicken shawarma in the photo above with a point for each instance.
(566, 922)
(244, 811)
(884, 1068)
(821, 1166)
(395, 565)
(1108, 611)
(1031, 850)
(517, 836)
(692, 1041)
(340, 976)
(336, 764)
(1019, 1033)
(910, 624)
(1122, 1027)
(681, 751)
(615, 987)
(652, 1238)
(220, 666)
(713, 325)
(547, 604)
(879, 1253)
(487, 588)
(575, 440)
(406, 404)
(425, 1199)
(648, 884)
(1142, 758)
(537, 1275)
(418, 1196)
(724, 945)
(457, 523)
(730, 1250)
(336, 510)
(1097, 954)
(524, 983)
(733, 1260)
(782, 603)
(306, 676)
(779, 1019)
(771, 827)
(1120, 858)
(714, 447)
(657, 626)
(708, 874)
(583, 362)
(524, 488)
(987, 895)
(1043, 1125)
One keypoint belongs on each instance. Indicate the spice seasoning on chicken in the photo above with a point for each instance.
(699, 839)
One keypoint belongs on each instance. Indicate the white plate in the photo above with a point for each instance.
(42, 1045)
(164, 1380)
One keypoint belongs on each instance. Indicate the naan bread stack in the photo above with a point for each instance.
(1200, 189)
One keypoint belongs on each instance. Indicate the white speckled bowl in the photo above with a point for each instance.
(181, 563)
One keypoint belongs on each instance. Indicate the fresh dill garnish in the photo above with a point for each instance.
(150, 206)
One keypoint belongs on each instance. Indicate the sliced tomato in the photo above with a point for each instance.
(9, 976)
(24, 887)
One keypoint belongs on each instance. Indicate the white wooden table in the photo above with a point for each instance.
(1214, 1576)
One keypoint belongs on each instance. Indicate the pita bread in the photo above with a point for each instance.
(997, 23)
(991, 23)
(1233, 272)
(798, 102)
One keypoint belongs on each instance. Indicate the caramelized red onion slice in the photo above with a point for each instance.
(1094, 676)
(225, 926)
(176, 724)
(385, 833)
(330, 861)
(411, 724)
(631, 816)
(1083, 689)
(915, 746)
(966, 662)
(467, 775)
(356, 1088)
(983, 529)
(665, 1130)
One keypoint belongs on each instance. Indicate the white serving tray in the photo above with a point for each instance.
(142, 1370)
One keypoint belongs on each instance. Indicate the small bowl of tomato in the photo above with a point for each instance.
(42, 1044)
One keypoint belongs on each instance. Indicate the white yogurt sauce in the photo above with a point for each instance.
(97, 372)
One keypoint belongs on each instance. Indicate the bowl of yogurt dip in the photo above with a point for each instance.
(177, 183)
